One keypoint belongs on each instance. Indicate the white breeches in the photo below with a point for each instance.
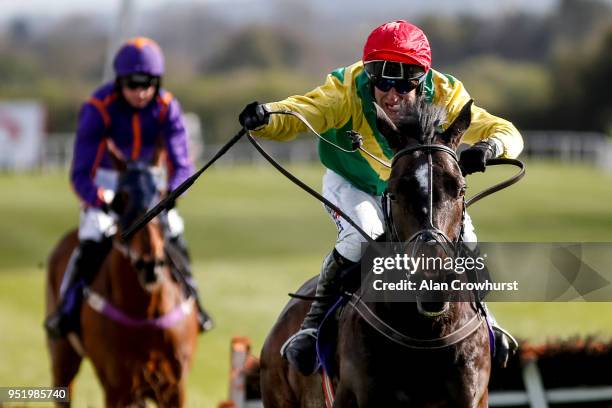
(95, 224)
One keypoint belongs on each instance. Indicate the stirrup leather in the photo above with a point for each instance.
(303, 332)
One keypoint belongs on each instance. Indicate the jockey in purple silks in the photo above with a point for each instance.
(135, 117)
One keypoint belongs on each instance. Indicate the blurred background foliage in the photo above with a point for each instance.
(542, 71)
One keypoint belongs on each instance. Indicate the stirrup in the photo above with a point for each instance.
(302, 332)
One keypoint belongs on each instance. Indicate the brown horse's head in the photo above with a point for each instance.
(426, 188)
(136, 193)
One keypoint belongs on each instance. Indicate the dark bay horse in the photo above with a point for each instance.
(137, 327)
(399, 354)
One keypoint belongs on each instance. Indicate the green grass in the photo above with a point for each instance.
(255, 237)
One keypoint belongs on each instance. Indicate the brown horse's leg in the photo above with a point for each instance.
(65, 363)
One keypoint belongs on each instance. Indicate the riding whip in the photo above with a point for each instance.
(174, 194)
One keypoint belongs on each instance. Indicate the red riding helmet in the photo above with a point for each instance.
(139, 55)
(398, 41)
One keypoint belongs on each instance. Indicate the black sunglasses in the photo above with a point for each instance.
(402, 86)
(140, 81)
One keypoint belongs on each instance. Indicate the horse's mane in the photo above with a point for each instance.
(421, 119)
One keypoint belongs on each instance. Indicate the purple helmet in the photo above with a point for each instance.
(139, 55)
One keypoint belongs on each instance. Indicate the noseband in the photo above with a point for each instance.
(431, 232)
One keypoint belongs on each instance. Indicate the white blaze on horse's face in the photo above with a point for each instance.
(421, 176)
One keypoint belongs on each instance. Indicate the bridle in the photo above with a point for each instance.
(430, 232)
(139, 261)
(145, 264)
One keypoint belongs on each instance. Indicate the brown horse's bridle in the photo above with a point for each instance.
(138, 261)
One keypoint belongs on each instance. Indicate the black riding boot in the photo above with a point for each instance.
(301, 348)
(65, 318)
(205, 321)
(505, 344)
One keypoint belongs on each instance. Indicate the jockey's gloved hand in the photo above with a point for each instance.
(475, 158)
(107, 197)
(254, 115)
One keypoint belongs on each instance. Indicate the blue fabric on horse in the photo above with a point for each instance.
(327, 337)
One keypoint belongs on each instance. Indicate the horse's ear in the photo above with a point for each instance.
(452, 135)
(119, 162)
(386, 127)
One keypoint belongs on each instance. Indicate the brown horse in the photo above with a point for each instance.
(137, 327)
(391, 354)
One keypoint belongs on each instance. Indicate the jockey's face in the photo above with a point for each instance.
(139, 97)
(391, 101)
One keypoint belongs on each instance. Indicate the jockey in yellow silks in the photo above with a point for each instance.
(395, 68)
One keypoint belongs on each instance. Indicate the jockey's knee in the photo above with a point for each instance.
(469, 235)
(349, 242)
(96, 225)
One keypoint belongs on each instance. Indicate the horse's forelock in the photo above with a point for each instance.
(421, 119)
(138, 181)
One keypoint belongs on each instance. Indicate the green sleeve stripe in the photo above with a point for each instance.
(428, 87)
(369, 111)
(351, 166)
(339, 73)
(451, 79)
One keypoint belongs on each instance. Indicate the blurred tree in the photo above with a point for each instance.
(73, 49)
(19, 32)
(16, 69)
(200, 35)
(578, 21)
(582, 67)
(219, 98)
(257, 48)
(516, 36)
(518, 91)
(541, 71)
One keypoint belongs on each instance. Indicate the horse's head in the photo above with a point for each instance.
(426, 188)
(136, 193)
